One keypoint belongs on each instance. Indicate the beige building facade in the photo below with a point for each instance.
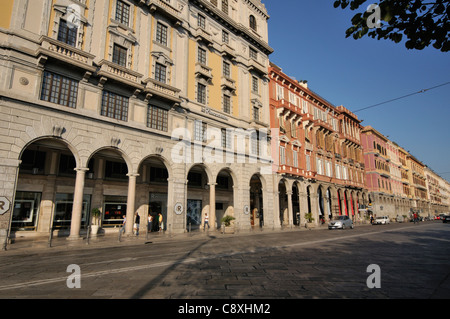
(132, 107)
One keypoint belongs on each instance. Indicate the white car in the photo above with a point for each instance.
(383, 220)
(342, 222)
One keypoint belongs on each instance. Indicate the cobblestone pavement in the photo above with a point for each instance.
(413, 260)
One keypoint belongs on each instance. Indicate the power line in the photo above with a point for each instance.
(402, 97)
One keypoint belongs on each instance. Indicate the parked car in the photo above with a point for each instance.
(341, 222)
(383, 220)
(446, 219)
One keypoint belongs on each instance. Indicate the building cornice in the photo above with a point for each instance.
(238, 28)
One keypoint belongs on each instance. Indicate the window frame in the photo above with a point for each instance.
(200, 131)
(226, 103)
(201, 56)
(252, 23)
(253, 53)
(226, 69)
(201, 21)
(120, 14)
(54, 90)
(160, 72)
(66, 33)
(225, 7)
(120, 55)
(157, 118)
(201, 93)
(255, 84)
(226, 138)
(162, 34)
(282, 155)
(117, 109)
(295, 158)
(256, 113)
(225, 37)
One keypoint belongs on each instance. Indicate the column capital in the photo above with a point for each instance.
(133, 175)
(81, 169)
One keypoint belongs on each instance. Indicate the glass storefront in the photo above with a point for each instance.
(115, 208)
(63, 210)
(26, 211)
(194, 214)
(158, 204)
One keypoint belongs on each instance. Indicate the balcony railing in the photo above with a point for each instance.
(323, 124)
(228, 83)
(203, 70)
(285, 104)
(257, 67)
(307, 117)
(162, 90)
(203, 35)
(119, 73)
(351, 138)
(165, 8)
(309, 146)
(227, 50)
(67, 53)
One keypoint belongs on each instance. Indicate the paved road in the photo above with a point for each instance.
(413, 260)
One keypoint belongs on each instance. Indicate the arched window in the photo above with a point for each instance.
(252, 22)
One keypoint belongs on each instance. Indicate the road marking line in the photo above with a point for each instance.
(188, 260)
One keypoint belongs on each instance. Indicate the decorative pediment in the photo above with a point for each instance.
(162, 58)
(257, 102)
(69, 11)
(114, 29)
(284, 138)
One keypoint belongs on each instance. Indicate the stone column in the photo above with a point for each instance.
(315, 206)
(131, 200)
(8, 180)
(290, 211)
(77, 208)
(212, 205)
(303, 207)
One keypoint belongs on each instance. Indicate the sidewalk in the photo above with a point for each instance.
(37, 244)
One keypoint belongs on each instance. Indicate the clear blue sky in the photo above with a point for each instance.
(308, 37)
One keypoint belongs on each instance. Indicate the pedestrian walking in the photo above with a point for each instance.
(150, 222)
(161, 222)
(122, 229)
(137, 221)
(206, 221)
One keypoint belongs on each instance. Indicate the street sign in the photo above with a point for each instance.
(4, 205)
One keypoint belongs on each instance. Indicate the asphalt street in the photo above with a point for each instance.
(411, 261)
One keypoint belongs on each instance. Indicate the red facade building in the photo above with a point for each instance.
(320, 158)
